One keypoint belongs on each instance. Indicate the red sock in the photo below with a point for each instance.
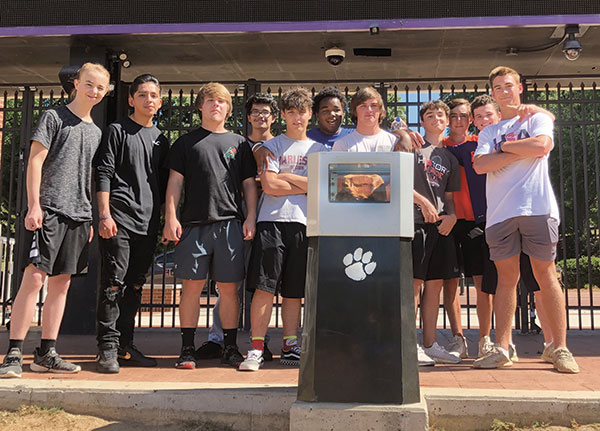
(258, 343)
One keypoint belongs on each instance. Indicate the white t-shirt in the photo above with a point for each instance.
(290, 157)
(522, 188)
(356, 142)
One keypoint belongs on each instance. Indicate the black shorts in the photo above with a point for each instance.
(217, 248)
(278, 260)
(469, 239)
(126, 258)
(60, 246)
(434, 255)
(490, 278)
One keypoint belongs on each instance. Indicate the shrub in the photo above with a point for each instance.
(570, 274)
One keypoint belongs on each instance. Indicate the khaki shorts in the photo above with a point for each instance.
(536, 236)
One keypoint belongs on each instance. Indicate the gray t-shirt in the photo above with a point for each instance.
(71, 144)
(290, 157)
(436, 172)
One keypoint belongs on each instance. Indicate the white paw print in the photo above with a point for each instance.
(359, 265)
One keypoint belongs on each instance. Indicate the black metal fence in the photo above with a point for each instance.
(575, 173)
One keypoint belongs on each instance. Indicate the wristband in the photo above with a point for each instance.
(104, 218)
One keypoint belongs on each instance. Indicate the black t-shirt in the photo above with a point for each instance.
(214, 166)
(130, 165)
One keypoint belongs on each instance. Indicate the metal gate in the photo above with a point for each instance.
(575, 173)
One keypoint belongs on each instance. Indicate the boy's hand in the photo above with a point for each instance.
(91, 237)
(430, 214)
(107, 228)
(172, 231)
(417, 139)
(249, 228)
(261, 156)
(34, 218)
(448, 222)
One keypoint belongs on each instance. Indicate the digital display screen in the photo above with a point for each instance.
(359, 182)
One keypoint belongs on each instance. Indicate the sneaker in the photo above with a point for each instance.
(232, 356)
(51, 362)
(267, 354)
(494, 359)
(458, 346)
(187, 359)
(563, 361)
(130, 356)
(12, 366)
(253, 361)
(548, 353)
(106, 361)
(441, 355)
(291, 357)
(423, 359)
(485, 346)
(512, 353)
(209, 350)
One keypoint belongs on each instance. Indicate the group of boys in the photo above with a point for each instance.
(235, 233)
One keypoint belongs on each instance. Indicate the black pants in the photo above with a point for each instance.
(126, 258)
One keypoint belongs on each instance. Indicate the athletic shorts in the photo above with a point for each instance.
(278, 260)
(434, 255)
(60, 246)
(217, 248)
(469, 239)
(536, 236)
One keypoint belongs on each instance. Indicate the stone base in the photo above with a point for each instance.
(363, 417)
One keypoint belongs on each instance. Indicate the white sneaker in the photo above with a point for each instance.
(512, 353)
(441, 355)
(424, 360)
(254, 360)
(485, 346)
(458, 346)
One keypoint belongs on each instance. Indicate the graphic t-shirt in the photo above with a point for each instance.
(522, 188)
(66, 172)
(328, 140)
(436, 172)
(214, 166)
(356, 142)
(462, 198)
(290, 157)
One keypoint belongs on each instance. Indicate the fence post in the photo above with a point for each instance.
(252, 86)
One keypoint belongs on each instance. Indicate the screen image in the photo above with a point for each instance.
(359, 182)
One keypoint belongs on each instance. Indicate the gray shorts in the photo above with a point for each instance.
(535, 235)
(216, 248)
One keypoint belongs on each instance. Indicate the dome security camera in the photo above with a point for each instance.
(572, 48)
(335, 56)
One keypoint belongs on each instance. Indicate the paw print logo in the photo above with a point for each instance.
(358, 264)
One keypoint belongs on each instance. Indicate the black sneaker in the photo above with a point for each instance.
(130, 356)
(52, 363)
(209, 350)
(267, 354)
(106, 361)
(187, 359)
(12, 366)
(291, 357)
(232, 356)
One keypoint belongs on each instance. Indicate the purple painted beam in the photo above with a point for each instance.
(392, 24)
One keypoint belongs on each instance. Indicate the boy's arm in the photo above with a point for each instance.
(430, 214)
(485, 163)
(525, 111)
(262, 155)
(107, 228)
(449, 219)
(251, 199)
(37, 155)
(172, 230)
(295, 180)
(275, 186)
(538, 146)
(104, 173)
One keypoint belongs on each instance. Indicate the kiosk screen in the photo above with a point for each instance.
(359, 182)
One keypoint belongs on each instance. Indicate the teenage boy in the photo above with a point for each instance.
(367, 112)
(130, 184)
(522, 215)
(58, 220)
(261, 111)
(278, 260)
(329, 107)
(216, 167)
(434, 254)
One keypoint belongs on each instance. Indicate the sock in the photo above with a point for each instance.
(45, 345)
(289, 341)
(258, 343)
(15, 343)
(187, 337)
(229, 337)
